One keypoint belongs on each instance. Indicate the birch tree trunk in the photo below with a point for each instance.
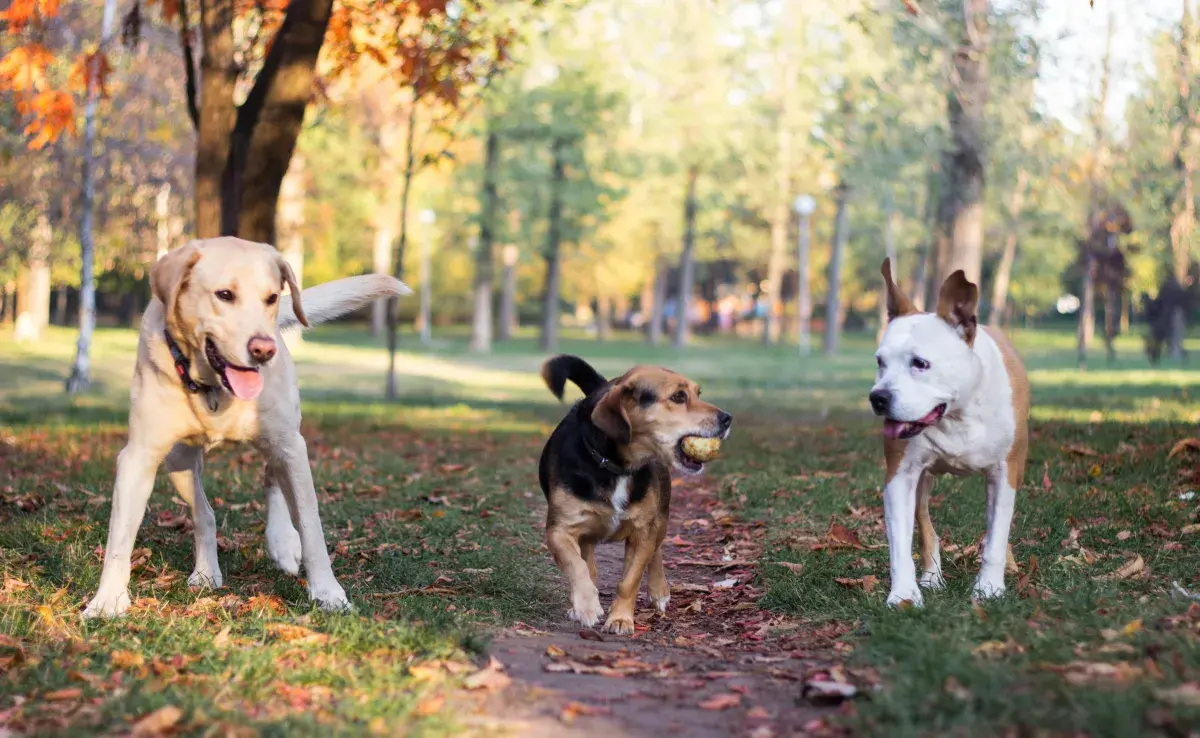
(549, 339)
(1183, 225)
(507, 324)
(833, 305)
(33, 286)
(290, 216)
(654, 332)
(481, 323)
(1003, 277)
(687, 263)
(781, 213)
(889, 247)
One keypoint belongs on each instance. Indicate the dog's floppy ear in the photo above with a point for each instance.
(610, 416)
(169, 276)
(285, 270)
(957, 303)
(898, 304)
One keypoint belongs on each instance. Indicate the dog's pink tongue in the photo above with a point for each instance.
(246, 384)
(892, 429)
(929, 419)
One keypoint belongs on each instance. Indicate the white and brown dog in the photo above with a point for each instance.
(955, 400)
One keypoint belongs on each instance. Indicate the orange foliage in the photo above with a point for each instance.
(52, 112)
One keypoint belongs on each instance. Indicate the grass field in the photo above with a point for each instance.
(431, 508)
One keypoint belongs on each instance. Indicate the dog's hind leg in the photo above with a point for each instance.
(927, 539)
(289, 466)
(660, 590)
(135, 480)
(283, 542)
(183, 465)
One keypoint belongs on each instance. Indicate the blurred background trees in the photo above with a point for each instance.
(617, 164)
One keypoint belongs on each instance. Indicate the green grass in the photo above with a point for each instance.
(430, 505)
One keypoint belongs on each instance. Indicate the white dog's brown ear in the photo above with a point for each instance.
(610, 416)
(957, 303)
(289, 276)
(169, 276)
(898, 304)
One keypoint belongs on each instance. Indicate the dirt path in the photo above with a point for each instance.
(714, 665)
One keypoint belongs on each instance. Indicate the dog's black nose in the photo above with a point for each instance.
(725, 419)
(881, 401)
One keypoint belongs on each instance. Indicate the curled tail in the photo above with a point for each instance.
(330, 300)
(556, 372)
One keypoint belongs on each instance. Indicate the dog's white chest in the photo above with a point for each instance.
(620, 500)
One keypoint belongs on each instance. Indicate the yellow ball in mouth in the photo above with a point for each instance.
(701, 449)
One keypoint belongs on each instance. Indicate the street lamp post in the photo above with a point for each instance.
(804, 205)
(427, 218)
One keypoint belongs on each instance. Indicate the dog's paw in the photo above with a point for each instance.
(986, 588)
(206, 578)
(660, 601)
(585, 608)
(932, 580)
(283, 545)
(330, 597)
(911, 595)
(620, 624)
(105, 605)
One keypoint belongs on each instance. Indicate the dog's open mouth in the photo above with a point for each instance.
(897, 429)
(246, 383)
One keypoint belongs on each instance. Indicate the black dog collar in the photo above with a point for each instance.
(606, 464)
(182, 365)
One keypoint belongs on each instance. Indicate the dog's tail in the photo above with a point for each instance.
(324, 302)
(558, 370)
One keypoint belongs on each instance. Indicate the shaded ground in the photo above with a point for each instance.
(713, 665)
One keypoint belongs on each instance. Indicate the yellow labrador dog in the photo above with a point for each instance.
(212, 367)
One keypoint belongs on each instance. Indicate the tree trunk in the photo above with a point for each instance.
(382, 263)
(804, 302)
(889, 248)
(1183, 225)
(604, 309)
(481, 325)
(507, 325)
(943, 231)
(33, 285)
(291, 231)
(967, 101)
(833, 305)
(549, 339)
(1008, 258)
(1112, 320)
(654, 331)
(10, 303)
(781, 215)
(1087, 309)
(687, 263)
(217, 114)
(398, 266)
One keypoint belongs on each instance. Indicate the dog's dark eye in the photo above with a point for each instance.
(879, 361)
(225, 295)
(679, 397)
(919, 364)
(272, 299)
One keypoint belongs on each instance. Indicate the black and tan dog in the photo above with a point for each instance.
(606, 474)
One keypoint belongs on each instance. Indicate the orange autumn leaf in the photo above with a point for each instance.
(91, 69)
(24, 68)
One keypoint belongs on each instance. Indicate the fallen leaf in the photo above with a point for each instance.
(821, 690)
(1187, 444)
(590, 635)
(62, 695)
(758, 713)
(158, 722)
(295, 633)
(489, 677)
(1072, 539)
(1132, 567)
(1189, 529)
(126, 659)
(1079, 449)
(867, 582)
(790, 566)
(954, 688)
(221, 640)
(721, 701)
(989, 649)
(1124, 535)
(725, 584)
(572, 710)
(839, 536)
(1047, 485)
(430, 705)
(555, 652)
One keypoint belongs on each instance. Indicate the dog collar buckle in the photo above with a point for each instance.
(606, 464)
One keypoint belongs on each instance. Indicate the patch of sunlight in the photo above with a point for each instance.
(1144, 413)
(461, 417)
(330, 358)
(1105, 378)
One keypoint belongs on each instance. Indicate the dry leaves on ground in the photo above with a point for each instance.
(721, 701)
(1131, 568)
(158, 722)
(489, 678)
(867, 583)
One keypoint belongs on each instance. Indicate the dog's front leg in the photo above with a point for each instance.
(289, 466)
(660, 590)
(639, 549)
(136, 465)
(585, 598)
(1001, 499)
(184, 465)
(899, 511)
